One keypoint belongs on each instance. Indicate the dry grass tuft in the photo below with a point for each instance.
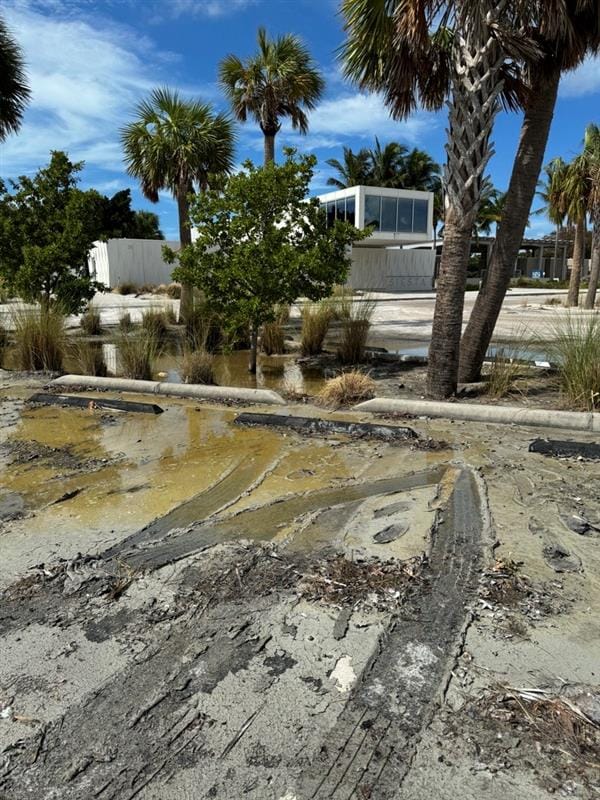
(197, 366)
(125, 323)
(272, 339)
(356, 318)
(154, 323)
(347, 388)
(126, 288)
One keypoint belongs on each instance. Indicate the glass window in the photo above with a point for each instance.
(350, 210)
(341, 209)
(405, 210)
(388, 214)
(330, 214)
(420, 216)
(373, 211)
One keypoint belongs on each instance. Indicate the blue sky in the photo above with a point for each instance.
(90, 62)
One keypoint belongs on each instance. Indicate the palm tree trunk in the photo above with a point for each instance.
(577, 268)
(253, 349)
(269, 148)
(590, 298)
(474, 104)
(509, 237)
(186, 304)
(447, 321)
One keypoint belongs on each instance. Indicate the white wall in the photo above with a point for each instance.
(378, 269)
(136, 261)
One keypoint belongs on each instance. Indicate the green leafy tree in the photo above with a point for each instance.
(281, 80)
(177, 145)
(261, 243)
(117, 220)
(14, 91)
(46, 232)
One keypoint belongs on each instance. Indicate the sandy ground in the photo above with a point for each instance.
(193, 609)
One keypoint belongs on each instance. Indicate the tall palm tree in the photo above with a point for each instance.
(177, 145)
(591, 155)
(430, 50)
(576, 193)
(566, 32)
(552, 193)
(14, 91)
(353, 170)
(387, 163)
(420, 171)
(281, 80)
(490, 209)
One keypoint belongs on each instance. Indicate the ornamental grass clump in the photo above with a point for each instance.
(347, 388)
(154, 323)
(575, 350)
(90, 321)
(272, 340)
(197, 366)
(203, 329)
(138, 354)
(316, 319)
(88, 359)
(125, 323)
(356, 318)
(40, 339)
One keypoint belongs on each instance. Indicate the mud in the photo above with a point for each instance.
(225, 612)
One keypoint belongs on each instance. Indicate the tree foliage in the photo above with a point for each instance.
(14, 90)
(260, 243)
(117, 220)
(47, 227)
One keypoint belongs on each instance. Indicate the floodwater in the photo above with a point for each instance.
(76, 471)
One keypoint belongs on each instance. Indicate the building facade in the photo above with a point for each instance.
(137, 261)
(399, 220)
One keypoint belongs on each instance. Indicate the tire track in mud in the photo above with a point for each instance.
(379, 729)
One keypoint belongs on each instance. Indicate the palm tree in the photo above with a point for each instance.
(14, 91)
(420, 171)
(177, 145)
(552, 193)
(387, 163)
(354, 170)
(490, 209)
(427, 50)
(281, 80)
(591, 156)
(566, 33)
(576, 192)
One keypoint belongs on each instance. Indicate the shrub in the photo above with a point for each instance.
(197, 366)
(347, 388)
(40, 339)
(138, 355)
(147, 288)
(125, 323)
(504, 370)
(89, 359)
(174, 291)
(126, 288)
(356, 322)
(91, 322)
(316, 318)
(154, 324)
(575, 350)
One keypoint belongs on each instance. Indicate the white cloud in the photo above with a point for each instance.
(86, 73)
(363, 116)
(207, 8)
(583, 80)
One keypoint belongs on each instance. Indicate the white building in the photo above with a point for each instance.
(137, 261)
(399, 218)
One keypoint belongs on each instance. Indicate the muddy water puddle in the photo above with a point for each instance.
(73, 472)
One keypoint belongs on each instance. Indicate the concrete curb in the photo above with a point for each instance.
(195, 391)
(504, 415)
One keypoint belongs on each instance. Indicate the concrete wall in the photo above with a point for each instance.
(136, 261)
(378, 269)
